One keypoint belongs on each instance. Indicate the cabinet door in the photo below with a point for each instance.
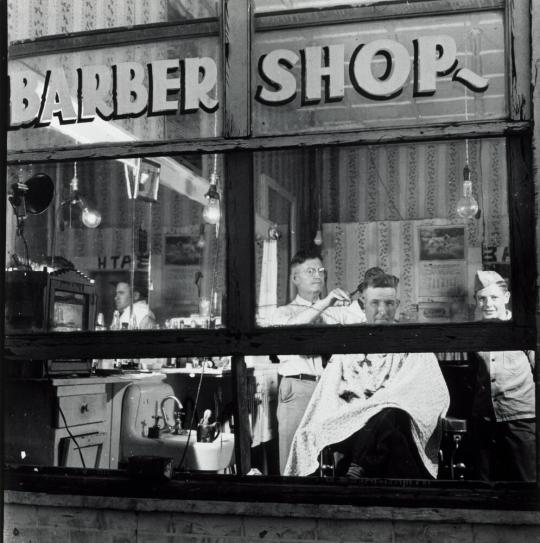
(90, 447)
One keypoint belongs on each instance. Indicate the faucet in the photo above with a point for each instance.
(177, 422)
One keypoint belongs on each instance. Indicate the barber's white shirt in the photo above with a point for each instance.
(293, 364)
(140, 311)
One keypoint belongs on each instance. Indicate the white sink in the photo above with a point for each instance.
(140, 405)
(215, 456)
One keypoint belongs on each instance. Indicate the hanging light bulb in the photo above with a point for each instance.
(467, 206)
(318, 239)
(91, 218)
(201, 242)
(212, 212)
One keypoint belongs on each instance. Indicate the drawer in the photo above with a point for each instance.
(81, 409)
(91, 447)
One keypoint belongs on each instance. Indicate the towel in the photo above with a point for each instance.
(354, 388)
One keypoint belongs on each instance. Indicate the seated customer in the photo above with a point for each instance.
(378, 294)
(504, 425)
(382, 411)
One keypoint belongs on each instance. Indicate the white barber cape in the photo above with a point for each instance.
(354, 388)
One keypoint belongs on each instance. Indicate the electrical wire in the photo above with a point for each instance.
(192, 419)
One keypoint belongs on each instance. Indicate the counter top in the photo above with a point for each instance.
(211, 372)
(94, 379)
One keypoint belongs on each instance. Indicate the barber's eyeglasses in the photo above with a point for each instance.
(314, 271)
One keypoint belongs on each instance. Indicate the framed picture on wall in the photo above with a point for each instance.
(441, 243)
(182, 251)
(441, 263)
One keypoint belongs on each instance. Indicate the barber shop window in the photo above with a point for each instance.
(361, 219)
(116, 245)
(428, 216)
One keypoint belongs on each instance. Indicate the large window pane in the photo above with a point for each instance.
(131, 102)
(108, 229)
(109, 420)
(392, 207)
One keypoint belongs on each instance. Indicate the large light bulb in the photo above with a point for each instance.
(318, 238)
(211, 212)
(91, 218)
(467, 206)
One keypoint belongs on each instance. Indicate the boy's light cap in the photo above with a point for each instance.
(485, 278)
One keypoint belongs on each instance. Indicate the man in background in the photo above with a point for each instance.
(132, 311)
(504, 428)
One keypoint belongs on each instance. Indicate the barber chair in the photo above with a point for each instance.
(451, 465)
(327, 462)
(451, 453)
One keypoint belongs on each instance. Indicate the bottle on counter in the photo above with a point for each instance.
(116, 320)
(97, 363)
(100, 323)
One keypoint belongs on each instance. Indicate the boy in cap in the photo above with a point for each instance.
(503, 407)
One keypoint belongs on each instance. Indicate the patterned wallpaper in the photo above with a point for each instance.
(29, 19)
(376, 198)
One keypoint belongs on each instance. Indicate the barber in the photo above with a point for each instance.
(299, 373)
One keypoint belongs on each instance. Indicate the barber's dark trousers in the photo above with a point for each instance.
(384, 447)
(505, 451)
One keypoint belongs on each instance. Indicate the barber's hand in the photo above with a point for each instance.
(337, 297)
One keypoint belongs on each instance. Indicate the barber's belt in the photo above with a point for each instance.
(303, 377)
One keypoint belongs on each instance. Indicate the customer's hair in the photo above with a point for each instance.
(379, 280)
(139, 285)
(305, 254)
(142, 289)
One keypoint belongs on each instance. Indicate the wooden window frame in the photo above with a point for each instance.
(241, 336)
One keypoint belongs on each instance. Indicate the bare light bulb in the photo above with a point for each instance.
(318, 238)
(201, 242)
(91, 218)
(212, 212)
(467, 206)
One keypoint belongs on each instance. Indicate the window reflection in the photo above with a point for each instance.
(150, 262)
(388, 208)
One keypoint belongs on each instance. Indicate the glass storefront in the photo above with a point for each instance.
(374, 174)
